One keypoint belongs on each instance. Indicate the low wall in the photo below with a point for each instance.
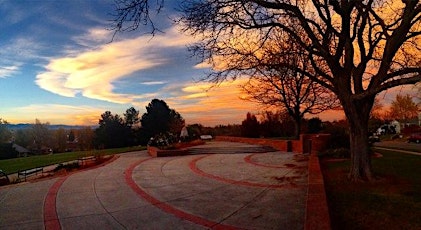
(308, 143)
(156, 152)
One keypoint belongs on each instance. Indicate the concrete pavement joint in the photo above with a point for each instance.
(195, 169)
(248, 159)
(102, 204)
(165, 206)
(51, 220)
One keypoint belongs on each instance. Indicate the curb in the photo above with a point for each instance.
(317, 211)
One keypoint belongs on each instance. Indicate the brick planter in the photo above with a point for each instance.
(156, 152)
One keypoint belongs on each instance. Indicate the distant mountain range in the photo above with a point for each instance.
(53, 127)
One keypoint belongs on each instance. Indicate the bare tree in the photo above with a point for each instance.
(273, 84)
(130, 14)
(357, 49)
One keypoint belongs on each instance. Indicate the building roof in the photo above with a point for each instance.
(20, 149)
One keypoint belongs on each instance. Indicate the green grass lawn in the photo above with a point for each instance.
(391, 202)
(14, 165)
(397, 145)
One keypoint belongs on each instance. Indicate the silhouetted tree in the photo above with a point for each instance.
(271, 124)
(131, 117)
(274, 85)
(71, 137)
(112, 132)
(5, 133)
(314, 125)
(250, 126)
(159, 118)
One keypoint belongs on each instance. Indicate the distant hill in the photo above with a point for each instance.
(52, 127)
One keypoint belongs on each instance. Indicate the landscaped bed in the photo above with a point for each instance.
(391, 202)
(177, 149)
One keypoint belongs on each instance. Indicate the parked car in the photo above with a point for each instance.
(415, 137)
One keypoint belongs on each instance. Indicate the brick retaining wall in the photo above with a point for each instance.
(307, 143)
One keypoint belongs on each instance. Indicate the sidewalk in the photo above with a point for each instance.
(266, 190)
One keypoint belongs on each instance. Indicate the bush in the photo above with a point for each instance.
(339, 133)
(67, 167)
(336, 153)
(7, 151)
(163, 140)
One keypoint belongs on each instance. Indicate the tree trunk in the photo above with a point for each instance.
(360, 152)
(297, 128)
(358, 113)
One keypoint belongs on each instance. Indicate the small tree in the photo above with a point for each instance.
(250, 126)
(41, 136)
(5, 133)
(403, 108)
(131, 117)
(60, 140)
(86, 138)
(270, 124)
(112, 132)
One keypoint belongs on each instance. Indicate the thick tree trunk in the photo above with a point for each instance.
(358, 113)
(360, 152)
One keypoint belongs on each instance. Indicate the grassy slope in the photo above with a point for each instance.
(14, 165)
(392, 202)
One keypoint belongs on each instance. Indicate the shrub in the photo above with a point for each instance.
(336, 153)
(163, 140)
(67, 167)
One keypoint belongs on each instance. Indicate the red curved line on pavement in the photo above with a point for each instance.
(250, 161)
(51, 220)
(195, 169)
(165, 206)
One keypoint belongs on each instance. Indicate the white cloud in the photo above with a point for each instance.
(93, 72)
(8, 71)
(153, 83)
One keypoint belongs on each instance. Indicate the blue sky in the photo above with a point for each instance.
(58, 65)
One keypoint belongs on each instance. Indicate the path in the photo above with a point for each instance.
(264, 190)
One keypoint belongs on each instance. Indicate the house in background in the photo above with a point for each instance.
(22, 152)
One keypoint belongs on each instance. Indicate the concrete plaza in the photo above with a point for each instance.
(221, 185)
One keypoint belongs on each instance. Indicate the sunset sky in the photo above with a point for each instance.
(59, 65)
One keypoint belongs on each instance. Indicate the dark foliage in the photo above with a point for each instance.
(339, 134)
(314, 125)
(112, 132)
(159, 118)
(250, 126)
(7, 151)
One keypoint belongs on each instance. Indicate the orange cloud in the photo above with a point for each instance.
(55, 114)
